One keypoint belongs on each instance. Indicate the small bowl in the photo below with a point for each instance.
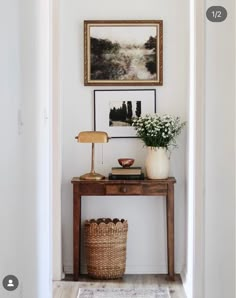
(126, 162)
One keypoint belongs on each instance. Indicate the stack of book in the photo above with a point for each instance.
(132, 173)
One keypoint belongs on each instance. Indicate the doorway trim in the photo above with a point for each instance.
(57, 270)
(193, 277)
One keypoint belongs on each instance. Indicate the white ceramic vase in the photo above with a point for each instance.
(157, 163)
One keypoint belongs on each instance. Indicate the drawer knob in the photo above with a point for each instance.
(123, 189)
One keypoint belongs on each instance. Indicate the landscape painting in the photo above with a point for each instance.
(115, 109)
(123, 52)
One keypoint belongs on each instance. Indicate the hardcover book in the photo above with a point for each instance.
(126, 171)
(126, 177)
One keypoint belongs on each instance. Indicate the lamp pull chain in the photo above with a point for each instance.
(102, 154)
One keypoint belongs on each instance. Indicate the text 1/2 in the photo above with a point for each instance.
(216, 13)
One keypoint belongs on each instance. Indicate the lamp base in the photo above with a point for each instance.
(92, 176)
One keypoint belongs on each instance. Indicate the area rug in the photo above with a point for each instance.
(123, 293)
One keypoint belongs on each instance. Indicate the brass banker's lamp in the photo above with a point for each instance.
(92, 137)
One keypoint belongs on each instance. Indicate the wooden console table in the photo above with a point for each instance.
(162, 187)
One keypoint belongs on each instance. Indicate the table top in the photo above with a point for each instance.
(76, 180)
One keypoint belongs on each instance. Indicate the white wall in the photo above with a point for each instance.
(25, 167)
(148, 219)
(35, 92)
(10, 169)
(220, 157)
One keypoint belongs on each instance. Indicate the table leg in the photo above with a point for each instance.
(76, 234)
(170, 230)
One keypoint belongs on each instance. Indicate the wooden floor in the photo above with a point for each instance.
(69, 288)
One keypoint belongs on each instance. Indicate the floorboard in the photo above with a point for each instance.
(69, 288)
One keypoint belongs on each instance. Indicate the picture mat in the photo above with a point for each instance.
(102, 100)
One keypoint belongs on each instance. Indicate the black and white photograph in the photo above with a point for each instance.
(115, 109)
(122, 112)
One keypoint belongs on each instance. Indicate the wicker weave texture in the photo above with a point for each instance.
(105, 245)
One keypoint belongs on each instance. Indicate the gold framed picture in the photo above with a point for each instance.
(123, 53)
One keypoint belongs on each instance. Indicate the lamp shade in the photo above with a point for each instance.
(92, 137)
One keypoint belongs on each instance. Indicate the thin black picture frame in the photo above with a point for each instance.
(111, 100)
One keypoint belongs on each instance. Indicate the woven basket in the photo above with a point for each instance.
(105, 245)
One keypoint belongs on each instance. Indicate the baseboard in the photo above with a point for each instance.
(186, 285)
(63, 275)
(68, 269)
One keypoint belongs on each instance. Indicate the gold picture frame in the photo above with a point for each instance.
(123, 53)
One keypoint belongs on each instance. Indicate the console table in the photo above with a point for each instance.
(160, 187)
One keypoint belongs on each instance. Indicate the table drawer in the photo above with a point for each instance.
(155, 189)
(87, 189)
(121, 189)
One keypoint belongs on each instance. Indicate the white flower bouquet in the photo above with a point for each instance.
(158, 130)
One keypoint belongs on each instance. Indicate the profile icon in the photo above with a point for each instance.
(10, 282)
